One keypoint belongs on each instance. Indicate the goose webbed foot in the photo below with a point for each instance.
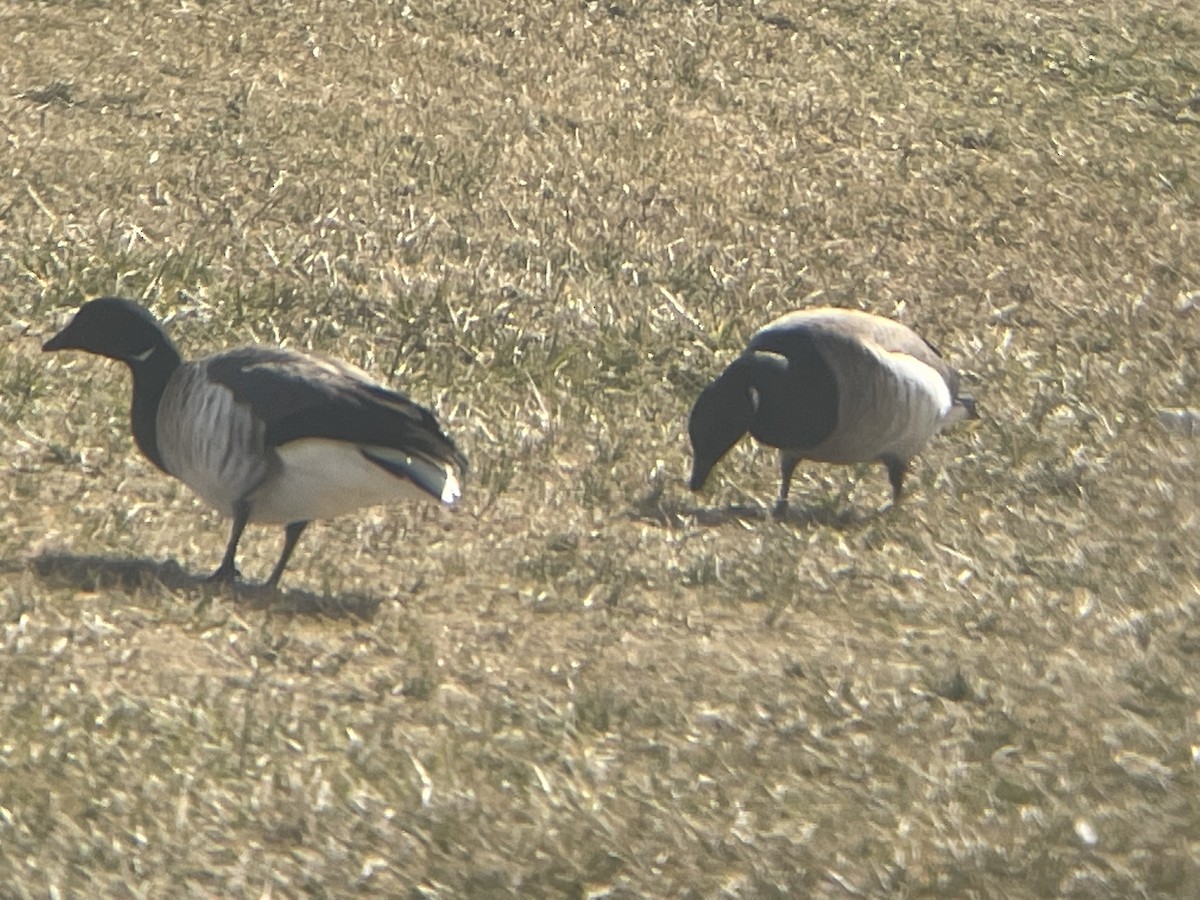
(780, 509)
(226, 573)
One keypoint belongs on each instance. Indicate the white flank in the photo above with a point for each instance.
(922, 380)
(923, 403)
(322, 478)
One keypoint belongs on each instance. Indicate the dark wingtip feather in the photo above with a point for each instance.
(433, 477)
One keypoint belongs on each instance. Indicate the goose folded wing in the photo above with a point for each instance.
(297, 396)
(896, 338)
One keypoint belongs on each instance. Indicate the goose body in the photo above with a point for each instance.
(829, 385)
(268, 435)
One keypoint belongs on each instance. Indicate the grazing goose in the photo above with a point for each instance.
(830, 385)
(267, 434)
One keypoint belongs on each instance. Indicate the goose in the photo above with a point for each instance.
(266, 434)
(829, 385)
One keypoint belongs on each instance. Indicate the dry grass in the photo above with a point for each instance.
(555, 226)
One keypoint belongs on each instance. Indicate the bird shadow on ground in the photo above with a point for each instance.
(675, 513)
(93, 573)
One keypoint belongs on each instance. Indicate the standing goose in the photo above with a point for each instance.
(267, 434)
(830, 385)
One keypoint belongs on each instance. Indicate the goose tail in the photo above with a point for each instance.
(434, 477)
(962, 408)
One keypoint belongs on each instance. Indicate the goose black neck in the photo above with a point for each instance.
(798, 397)
(150, 376)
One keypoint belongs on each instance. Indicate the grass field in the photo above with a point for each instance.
(555, 225)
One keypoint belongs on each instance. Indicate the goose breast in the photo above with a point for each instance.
(209, 441)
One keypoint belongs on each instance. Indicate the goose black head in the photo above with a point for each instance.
(115, 328)
(722, 414)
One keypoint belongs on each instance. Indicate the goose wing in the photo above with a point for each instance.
(857, 327)
(905, 347)
(893, 337)
(297, 396)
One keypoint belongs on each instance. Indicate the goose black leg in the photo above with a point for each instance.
(291, 535)
(227, 571)
(787, 465)
(897, 469)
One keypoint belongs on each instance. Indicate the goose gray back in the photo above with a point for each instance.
(829, 385)
(267, 434)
